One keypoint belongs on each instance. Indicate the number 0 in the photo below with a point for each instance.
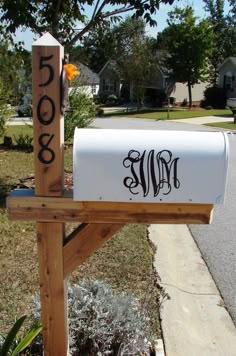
(40, 118)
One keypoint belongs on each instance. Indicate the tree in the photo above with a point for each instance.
(61, 17)
(5, 109)
(127, 45)
(95, 48)
(224, 34)
(189, 45)
(14, 61)
(134, 55)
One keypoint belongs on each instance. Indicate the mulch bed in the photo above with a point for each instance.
(29, 182)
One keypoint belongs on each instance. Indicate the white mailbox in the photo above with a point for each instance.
(150, 166)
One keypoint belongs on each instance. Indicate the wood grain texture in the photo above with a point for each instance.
(65, 209)
(52, 288)
(49, 181)
(84, 241)
(48, 177)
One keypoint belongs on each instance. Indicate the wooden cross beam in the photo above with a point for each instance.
(23, 203)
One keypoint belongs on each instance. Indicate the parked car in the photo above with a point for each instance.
(25, 106)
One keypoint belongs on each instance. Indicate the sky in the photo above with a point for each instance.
(161, 16)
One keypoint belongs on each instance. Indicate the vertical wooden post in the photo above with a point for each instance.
(47, 56)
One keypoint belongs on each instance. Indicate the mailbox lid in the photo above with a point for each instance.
(150, 166)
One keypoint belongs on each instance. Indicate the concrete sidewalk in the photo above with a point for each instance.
(204, 120)
(194, 321)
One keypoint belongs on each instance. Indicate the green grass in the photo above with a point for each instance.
(125, 261)
(224, 125)
(16, 130)
(178, 114)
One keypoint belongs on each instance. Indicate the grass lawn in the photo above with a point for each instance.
(178, 114)
(125, 261)
(224, 125)
(15, 131)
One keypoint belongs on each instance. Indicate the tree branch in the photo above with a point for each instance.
(95, 19)
(95, 9)
(118, 11)
(98, 15)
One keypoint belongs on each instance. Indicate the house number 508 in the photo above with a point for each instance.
(46, 155)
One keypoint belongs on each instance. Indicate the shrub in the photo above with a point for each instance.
(99, 111)
(102, 323)
(184, 102)
(24, 141)
(112, 100)
(214, 97)
(172, 100)
(7, 141)
(81, 114)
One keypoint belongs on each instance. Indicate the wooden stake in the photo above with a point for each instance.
(47, 56)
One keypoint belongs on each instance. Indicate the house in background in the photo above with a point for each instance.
(180, 92)
(227, 76)
(159, 84)
(110, 80)
(88, 80)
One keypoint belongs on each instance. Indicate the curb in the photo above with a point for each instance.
(159, 348)
(193, 321)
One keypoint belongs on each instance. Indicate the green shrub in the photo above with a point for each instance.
(184, 102)
(24, 141)
(214, 97)
(112, 100)
(81, 114)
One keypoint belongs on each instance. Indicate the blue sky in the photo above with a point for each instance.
(161, 17)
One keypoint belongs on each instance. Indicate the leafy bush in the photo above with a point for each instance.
(82, 112)
(7, 141)
(99, 111)
(102, 323)
(172, 100)
(24, 141)
(112, 100)
(184, 102)
(214, 97)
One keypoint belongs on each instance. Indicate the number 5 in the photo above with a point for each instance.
(50, 68)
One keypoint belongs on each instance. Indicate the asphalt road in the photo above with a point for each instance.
(217, 242)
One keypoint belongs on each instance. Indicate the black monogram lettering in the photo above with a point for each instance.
(152, 172)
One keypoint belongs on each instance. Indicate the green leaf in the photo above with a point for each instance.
(12, 336)
(28, 338)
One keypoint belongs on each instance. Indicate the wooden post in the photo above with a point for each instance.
(47, 56)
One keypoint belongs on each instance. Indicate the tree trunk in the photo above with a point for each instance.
(190, 94)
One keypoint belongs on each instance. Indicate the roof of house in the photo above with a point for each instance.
(112, 65)
(87, 76)
(231, 59)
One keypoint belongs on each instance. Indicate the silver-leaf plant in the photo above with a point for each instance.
(102, 323)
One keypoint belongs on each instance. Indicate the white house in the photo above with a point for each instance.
(227, 76)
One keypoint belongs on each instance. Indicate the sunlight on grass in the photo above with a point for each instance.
(177, 114)
(224, 125)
